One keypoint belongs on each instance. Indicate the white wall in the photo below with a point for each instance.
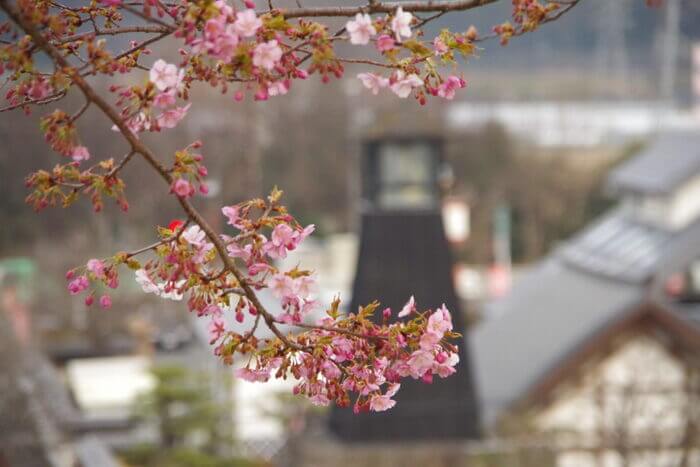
(635, 396)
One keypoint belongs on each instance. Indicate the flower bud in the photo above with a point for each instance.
(386, 313)
(106, 302)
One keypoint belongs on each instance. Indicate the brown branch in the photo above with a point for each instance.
(338, 330)
(139, 147)
(384, 7)
(159, 242)
(80, 111)
(114, 32)
(47, 100)
(146, 17)
(121, 164)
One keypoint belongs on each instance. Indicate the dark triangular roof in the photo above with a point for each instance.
(404, 253)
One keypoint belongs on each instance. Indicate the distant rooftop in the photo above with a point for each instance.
(591, 281)
(617, 246)
(666, 163)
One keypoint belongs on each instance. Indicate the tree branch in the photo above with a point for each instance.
(139, 147)
(385, 7)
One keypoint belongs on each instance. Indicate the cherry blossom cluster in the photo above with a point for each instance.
(153, 107)
(187, 171)
(335, 357)
(50, 49)
(230, 44)
(352, 360)
(63, 185)
(393, 35)
(527, 16)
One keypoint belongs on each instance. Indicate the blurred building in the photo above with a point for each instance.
(596, 348)
(39, 424)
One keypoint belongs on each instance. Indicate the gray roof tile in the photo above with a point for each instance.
(667, 162)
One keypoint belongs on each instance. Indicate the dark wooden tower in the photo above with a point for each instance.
(404, 252)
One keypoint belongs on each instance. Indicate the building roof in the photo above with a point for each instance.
(590, 282)
(390, 268)
(618, 246)
(666, 163)
(552, 310)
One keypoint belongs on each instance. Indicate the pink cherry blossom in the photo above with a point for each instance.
(217, 329)
(440, 321)
(440, 47)
(429, 340)
(267, 54)
(282, 285)
(305, 286)
(80, 153)
(330, 370)
(360, 29)
(164, 75)
(106, 302)
(401, 24)
(449, 87)
(146, 283)
(164, 99)
(78, 284)
(403, 85)
(380, 403)
(420, 362)
(225, 46)
(232, 213)
(195, 236)
(258, 375)
(235, 251)
(212, 310)
(256, 268)
(247, 23)
(283, 239)
(213, 28)
(320, 400)
(278, 88)
(373, 82)
(385, 43)
(182, 188)
(96, 267)
(170, 118)
(408, 308)
(136, 124)
(40, 89)
(225, 10)
(447, 367)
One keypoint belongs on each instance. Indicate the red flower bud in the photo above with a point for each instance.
(175, 224)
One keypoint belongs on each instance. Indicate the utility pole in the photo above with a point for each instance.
(669, 49)
(611, 47)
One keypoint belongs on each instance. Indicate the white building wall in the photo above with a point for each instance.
(634, 397)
